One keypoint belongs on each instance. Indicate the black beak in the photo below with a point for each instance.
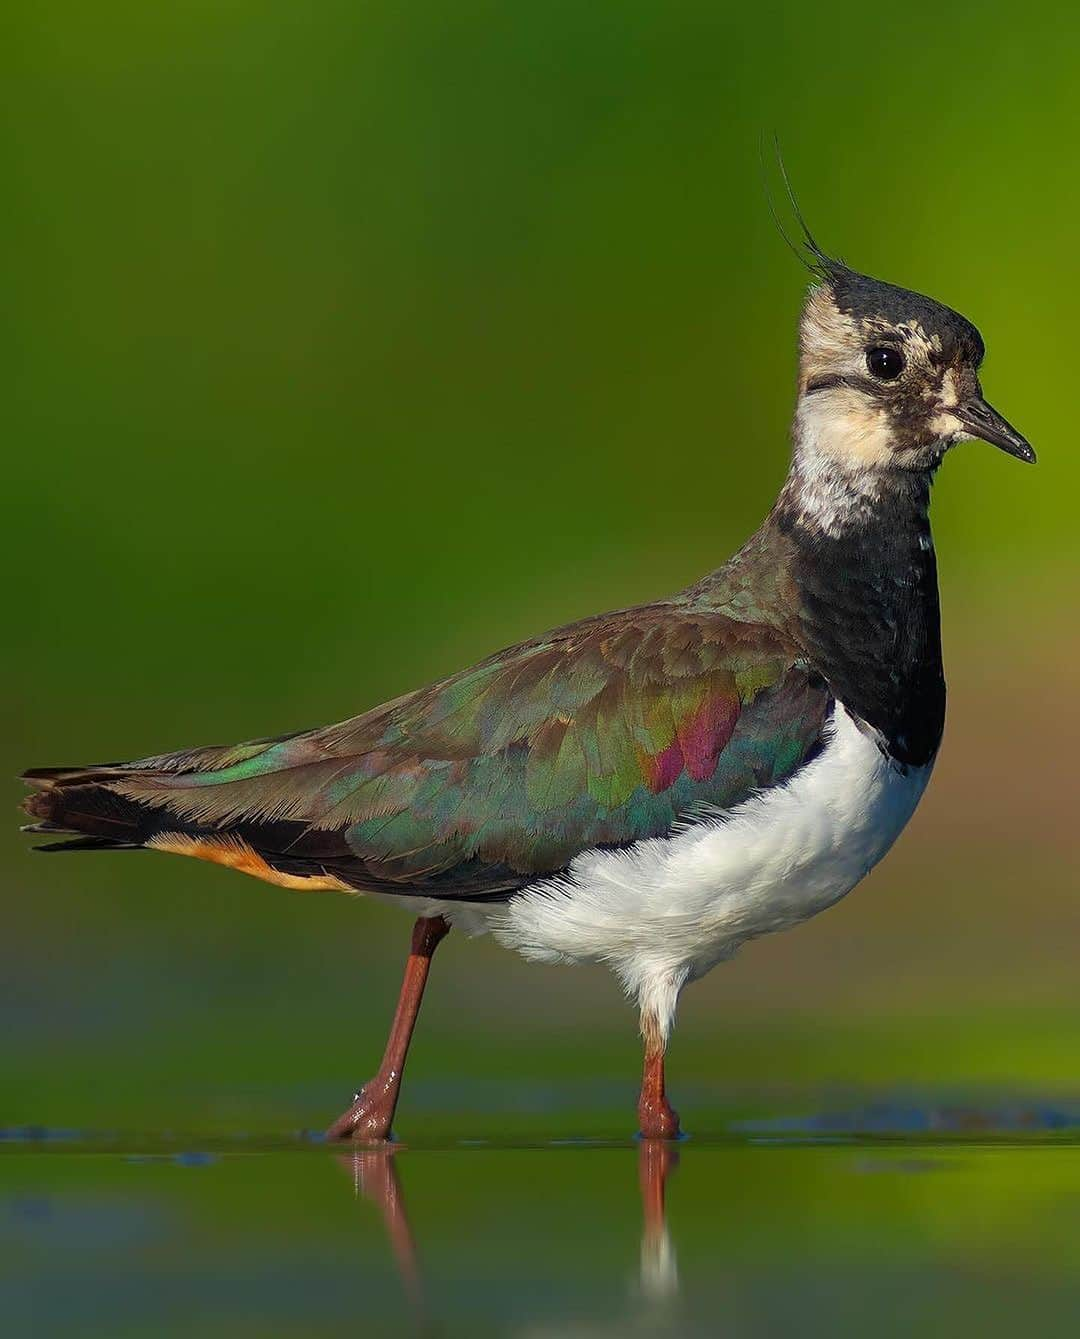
(984, 422)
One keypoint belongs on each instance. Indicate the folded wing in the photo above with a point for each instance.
(605, 733)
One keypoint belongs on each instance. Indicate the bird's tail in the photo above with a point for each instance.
(82, 804)
(219, 804)
(114, 805)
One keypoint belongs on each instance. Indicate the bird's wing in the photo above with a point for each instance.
(601, 734)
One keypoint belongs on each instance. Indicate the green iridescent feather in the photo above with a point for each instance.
(600, 734)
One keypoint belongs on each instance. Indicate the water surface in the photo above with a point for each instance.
(887, 1216)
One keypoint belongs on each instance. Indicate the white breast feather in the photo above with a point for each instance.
(668, 909)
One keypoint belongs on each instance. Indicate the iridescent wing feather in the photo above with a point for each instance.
(602, 734)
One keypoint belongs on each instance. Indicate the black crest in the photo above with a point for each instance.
(864, 297)
(807, 252)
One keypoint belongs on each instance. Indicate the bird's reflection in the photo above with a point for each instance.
(657, 1159)
(375, 1178)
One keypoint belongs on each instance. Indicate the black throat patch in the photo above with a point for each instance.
(869, 614)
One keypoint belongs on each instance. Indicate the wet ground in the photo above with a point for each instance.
(888, 1215)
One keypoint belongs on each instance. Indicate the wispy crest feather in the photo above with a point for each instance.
(820, 263)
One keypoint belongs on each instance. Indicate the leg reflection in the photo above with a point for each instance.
(375, 1179)
(657, 1159)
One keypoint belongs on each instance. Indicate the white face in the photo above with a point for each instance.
(876, 394)
(889, 388)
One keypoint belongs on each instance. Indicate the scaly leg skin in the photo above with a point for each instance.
(657, 1118)
(369, 1118)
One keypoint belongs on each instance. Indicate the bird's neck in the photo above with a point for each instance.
(823, 499)
(845, 565)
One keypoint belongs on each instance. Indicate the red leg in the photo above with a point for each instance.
(370, 1116)
(657, 1118)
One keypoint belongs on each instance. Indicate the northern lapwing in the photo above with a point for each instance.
(649, 788)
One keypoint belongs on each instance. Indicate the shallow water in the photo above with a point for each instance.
(889, 1217)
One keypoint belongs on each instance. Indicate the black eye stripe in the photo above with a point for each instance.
(884, 362)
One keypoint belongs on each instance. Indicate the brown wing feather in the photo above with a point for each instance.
(599, 734)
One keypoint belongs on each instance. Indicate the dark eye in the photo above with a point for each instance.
(885, 363)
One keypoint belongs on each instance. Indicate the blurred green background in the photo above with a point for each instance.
(347, 343)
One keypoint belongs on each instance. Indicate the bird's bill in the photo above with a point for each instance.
(980, 420)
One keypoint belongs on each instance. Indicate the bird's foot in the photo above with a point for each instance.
(368, 1120)
(658, 1119)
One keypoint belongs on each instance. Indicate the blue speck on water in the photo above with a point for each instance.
(39, 1133)
(1054, 1120)
(901, 1118)
(192, 1159)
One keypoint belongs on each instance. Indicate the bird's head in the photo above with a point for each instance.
(888, 379)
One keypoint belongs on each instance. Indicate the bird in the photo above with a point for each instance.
(649, 788)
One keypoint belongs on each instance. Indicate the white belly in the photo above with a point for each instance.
(670, 908)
